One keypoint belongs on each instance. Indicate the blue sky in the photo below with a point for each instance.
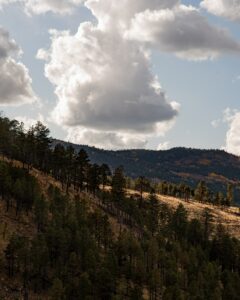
(203, 88)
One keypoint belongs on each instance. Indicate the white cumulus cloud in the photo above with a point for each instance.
(15, 82)
(104, 83)
(233, 135)
(182, 31)
(229, 9)
(120, 13)
(99, 84)
(103, 76)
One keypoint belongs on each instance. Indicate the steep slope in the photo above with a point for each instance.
(24, 225)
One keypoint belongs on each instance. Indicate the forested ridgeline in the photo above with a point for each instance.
(215, 167)
(34, 148)
(72, 249)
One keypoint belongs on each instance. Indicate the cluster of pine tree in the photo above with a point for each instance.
(157, 252)
(201, 193)
(152, 252)
(33, 147)
(17, 188)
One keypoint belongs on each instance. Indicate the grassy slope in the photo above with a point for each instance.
(228, 217)
(24, 224)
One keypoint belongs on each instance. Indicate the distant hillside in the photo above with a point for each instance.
(216, 167)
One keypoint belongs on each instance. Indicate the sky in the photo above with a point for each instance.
(151, 74)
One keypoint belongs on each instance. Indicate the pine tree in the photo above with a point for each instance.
(229, 198)
(207, 224)
(118, 185)
(201, 193)
(153, 217)
(142, 185)
(42, 144)
(82, 163)
(93, 178)
(105, 173)
(69, 166)
(179, 222)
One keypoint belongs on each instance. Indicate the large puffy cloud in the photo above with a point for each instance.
(104, 83)
(99, 84)
(231, 117)
(107, 94)
(43, 6)
(120, 13)
(183, 31)
(166, 25)
(233, 134)
(224, 8)
(15, 82)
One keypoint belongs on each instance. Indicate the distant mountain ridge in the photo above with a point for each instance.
(216, 167)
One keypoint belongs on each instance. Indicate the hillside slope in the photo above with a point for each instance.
(216, 167)
(228, 217)
(24, 225)
(67, 235)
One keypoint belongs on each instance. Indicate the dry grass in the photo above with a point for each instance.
(228, 217)
(23, 225)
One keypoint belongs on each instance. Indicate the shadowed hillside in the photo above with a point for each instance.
(216, 167)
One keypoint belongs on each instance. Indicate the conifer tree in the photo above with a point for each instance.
(118, 185)
(230, 196)
(105, 172)
(82, 163)
(179, 222)
(42, 143)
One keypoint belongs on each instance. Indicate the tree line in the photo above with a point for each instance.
(33, 147)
